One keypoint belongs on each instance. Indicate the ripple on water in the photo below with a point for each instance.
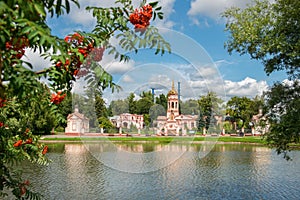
(234, 172)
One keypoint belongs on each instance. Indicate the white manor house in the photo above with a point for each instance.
(172, 124)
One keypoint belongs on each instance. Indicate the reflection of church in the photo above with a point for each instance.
(175, 123)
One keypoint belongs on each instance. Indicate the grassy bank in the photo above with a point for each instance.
(248, 139)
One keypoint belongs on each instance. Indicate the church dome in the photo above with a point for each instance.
(172, 91)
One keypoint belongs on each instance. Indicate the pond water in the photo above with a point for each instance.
(227, 171)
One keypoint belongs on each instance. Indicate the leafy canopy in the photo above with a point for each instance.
(268, 32)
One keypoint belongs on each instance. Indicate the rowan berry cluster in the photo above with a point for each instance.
(22, 187)
(141, 17)
(79, 44)
(2, 102)
(57, 98)
(19, 143)
(17, 45)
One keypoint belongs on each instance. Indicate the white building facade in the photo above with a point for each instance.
(127, 120)
(77, 123)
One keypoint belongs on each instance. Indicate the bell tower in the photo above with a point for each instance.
(173, 104)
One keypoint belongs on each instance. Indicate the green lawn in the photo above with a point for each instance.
(247, 139)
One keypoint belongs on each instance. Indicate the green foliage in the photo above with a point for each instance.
(242, 109)
(283, 103)
(100, 107)
(201, 122)
(131, 103)
(147, 120)
(118, 107)
(227, 126)
(65, 108)
(102, 115)
(105, 124)
(162, 100)
(190, 107)
(144, 104)
(268, 32)
(209, 105)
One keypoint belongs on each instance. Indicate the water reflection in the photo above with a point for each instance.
(228, 172)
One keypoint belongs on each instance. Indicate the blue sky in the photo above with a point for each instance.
(196, 23)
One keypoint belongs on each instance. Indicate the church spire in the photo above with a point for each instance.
(173, 88)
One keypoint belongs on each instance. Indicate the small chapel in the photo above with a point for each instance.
(175, 123)
(77, 123)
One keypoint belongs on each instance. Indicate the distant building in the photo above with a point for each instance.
(175, 123)
(127, 120)
(260, 123)
(77, 123)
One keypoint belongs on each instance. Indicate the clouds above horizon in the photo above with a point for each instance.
(213, 9)
(192, 85)
(116, 67)
(247, 87)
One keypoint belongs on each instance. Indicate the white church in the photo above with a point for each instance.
(175, 123)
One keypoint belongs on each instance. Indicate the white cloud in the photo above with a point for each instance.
(127, 79)
(289, 82)
(213, 8)
(116, 67)
(83, 18)
(220, 63)
(248, 87)
(167, 9)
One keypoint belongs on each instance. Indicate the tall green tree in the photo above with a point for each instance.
(242, 109)
(143, 106)
(269, 32)
(201, 122)
(162, 100)
(118, 107)
(65, 108)
(100, 106)
(284, 116)
(131, 103)
(102, 114)
(189, 107)
(209, 105)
